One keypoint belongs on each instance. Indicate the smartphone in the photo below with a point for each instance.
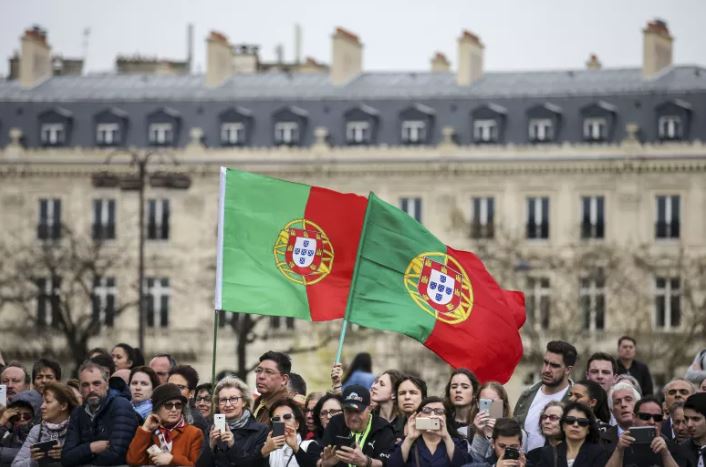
(154, 449)
(3, 395)
(484, 405)
(277, 429)
(424, 423)
(511, 453)
(344, 441)
(643, 434)
(46, 445)
(219, 421)
(496, 409)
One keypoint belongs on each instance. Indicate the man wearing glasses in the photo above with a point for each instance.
(357, 437)
(659, 451)
(271, 378)
(677, 390)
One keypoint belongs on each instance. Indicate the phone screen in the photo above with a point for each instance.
(3, 395)
(277, 429)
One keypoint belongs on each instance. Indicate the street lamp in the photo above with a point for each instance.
(158, 179)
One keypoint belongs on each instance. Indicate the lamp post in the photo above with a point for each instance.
(130, 183)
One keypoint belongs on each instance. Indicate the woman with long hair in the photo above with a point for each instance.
(360, 371)
(58, 401)
(461, 391)
(325, 409)
(309, 404)
(382, 394)
(593, 395)
(143, 380)
(123, 356)
(427, 447)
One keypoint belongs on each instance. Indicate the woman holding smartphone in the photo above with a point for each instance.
(165, 438)
(284, 446)
(44, 442)
(431, 439)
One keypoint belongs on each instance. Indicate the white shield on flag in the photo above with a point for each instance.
(441, 287)
(304, 251)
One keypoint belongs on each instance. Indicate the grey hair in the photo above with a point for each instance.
(232, 382)
(550, 404)
(629, 379)
(622, 386)
(89, 365)
(674, 380)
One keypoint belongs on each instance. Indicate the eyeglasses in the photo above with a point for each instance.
(278, 418)
(24, 416)
(268, 371)
(173, 405)
(553, 418)
(584, 422)
(226, 400)
(429, 411)
(646, 416)
(329, 413)
(204, 399)
(674, 392)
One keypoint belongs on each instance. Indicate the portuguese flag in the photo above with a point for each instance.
(285, 249)
(407, 281)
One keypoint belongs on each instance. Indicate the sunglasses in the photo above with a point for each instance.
(23, 416)
(173, 405)
(329, 413)
(429, 411)
(581, 421)
(646, 416)
(278, 418)
(553, 418)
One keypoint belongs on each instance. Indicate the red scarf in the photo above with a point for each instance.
(167, 432)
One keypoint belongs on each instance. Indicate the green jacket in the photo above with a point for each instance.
(524, 402)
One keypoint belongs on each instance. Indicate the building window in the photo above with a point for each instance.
(667, 302)
(669, 127)
(592, 217)
(413, 207)
(53, 134)
(595, 129)
(482, 217)
(667, 225)
(232, 133)
(276, 323)
(158, 219)
(592, 301)
(108, 134)
(541, 129)
(414, 131)
(537, 302)
(538, 217)
(103, 219)
(157, 301)
(161, 134)
(48, 301)
(286, 133)
(49, 225)
(485, 131)
(357, 132)
(103, 298)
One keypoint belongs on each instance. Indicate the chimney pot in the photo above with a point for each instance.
(593, 63)
(439, 63)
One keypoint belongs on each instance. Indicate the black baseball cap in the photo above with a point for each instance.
(356, 397)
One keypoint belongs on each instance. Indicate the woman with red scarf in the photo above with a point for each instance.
(165, 438)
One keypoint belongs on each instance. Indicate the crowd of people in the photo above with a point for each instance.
(122, 411)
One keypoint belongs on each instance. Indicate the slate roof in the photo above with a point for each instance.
(368, 85)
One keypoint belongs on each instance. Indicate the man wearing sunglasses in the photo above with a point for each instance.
(357, 437)
(101, 429)
(660, 451)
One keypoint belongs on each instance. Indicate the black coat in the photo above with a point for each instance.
(115, 421)
(590, 455)
(247, 443)
(378, 445)
(641, 373)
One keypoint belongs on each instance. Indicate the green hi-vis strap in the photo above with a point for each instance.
(360, 438)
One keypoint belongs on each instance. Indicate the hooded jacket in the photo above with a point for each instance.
(12, 438)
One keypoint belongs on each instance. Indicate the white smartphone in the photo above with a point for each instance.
(154, 449)
(484, 405)
(424, 423)
(219, 421)
(3, 395)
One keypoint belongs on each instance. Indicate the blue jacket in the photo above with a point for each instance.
(116, 421)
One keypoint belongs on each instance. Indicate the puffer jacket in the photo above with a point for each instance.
(115, 421)
(38, 434)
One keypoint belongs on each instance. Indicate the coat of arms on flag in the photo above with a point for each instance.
(303, 252)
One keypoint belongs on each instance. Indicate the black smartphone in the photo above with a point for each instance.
(511, 453)
(643, 434)
(45, 446)
(277, 429)
(344, 441)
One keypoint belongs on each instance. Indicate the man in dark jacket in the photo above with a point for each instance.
(101, 430)
(695, 414)
(628, 365)
(357, 436)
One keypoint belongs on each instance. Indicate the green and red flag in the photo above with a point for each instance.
(284, 248)
(408, 281)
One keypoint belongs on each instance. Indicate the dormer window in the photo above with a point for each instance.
(161, 134)
(287, 133)
(595, 129)
(232, 133)
(108, 134)
(53, 134)
(541, 130)
(485, 131)
(414, 131)
(357, 132)
(598, 121)
(670, 127)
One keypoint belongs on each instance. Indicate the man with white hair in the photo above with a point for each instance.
(677, 390)
(621, 400)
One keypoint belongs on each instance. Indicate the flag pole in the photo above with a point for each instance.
(219, 267)
(349, 303)
(216, 316)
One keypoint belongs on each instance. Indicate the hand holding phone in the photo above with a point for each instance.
(427, 424)
(511, 453)
(643, 434)
(154, 449)
(347, 441)
(219, 421)
(277, 429)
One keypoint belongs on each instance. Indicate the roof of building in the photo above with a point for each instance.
(368, 85)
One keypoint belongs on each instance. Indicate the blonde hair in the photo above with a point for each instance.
(232, 382)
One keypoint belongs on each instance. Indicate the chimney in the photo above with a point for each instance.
(219, 59)
(35, 57)
(347, 60)
(593, 63)
(439, 63)
(470, 59)
(656, 48)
